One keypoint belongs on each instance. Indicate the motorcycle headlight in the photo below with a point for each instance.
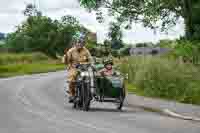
(84, 74)
(79, 78)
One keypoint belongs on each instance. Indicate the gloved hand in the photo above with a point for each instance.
(93, 66)
(77, 65)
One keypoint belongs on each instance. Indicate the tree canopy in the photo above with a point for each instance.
(115, 35)
(152, 13)
(41, 33)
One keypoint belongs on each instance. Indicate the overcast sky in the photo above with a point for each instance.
(11, 15)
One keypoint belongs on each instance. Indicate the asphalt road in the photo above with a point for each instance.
(36, 104)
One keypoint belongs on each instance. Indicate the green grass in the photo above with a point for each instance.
(12, 64)
(21, 58)
(21, 69)
(132, 88)
(162, 78)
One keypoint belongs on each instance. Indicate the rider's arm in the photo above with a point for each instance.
(90, 58)
(68, 57)
(64, 59)
(101, 72)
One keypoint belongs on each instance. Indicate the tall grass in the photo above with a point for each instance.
(21, 69)
(162, 77)
(13, 58)
(12, 64)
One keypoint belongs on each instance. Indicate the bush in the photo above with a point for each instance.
(160, 77)
(124, 51)
(115, 53)
(189, 50)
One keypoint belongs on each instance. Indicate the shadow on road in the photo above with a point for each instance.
(105, 110)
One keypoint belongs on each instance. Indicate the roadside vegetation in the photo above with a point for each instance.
(12, 64)
(38, 42)
(174, 76)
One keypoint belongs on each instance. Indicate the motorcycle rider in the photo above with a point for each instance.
(78, 54)
(108, 69)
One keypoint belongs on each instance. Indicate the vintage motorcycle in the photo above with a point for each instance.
(92, 86)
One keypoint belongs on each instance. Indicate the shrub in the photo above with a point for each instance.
(124, 51)
(189, 50)
(115, 53)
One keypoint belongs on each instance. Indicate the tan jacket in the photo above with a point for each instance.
(74, 56)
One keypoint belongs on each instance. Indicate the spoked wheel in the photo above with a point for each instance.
(77, 105)
(120, 103)
(86, 97)
(78, 99)
(120, 100)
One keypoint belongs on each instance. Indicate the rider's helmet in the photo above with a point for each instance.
(108, 61)
(79, 38)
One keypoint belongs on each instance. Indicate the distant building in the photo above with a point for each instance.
(149, 51)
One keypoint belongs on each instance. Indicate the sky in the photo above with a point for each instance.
(11, 15)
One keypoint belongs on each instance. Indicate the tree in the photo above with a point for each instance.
(69, 20)
(166, 43)
(150, 12)
(41, 33)
(125, 51)
(115, 35)
(31, 10)
(115, 31)
(138, 45)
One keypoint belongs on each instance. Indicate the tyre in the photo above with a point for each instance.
(120, 100)
(86, 96)
(78, 98)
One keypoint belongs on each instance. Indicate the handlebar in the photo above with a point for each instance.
(83, 66)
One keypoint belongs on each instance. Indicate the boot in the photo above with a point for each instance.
(71, 92)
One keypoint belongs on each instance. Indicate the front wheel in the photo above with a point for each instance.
(78, 98)
(86, 96)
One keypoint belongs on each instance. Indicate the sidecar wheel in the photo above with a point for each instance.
(121, 100)
(120, 104)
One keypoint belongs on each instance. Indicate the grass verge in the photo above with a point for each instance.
(22, 58)
(14, 64)
(164, 78)
(22, 69)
